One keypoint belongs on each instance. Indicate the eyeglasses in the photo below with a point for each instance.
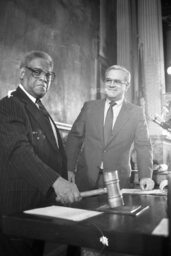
(37, 72)
(115, 81)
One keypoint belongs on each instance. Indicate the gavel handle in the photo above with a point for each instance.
(94, 192)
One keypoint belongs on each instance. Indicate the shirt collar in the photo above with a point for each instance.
(33, 99)
(118, 102)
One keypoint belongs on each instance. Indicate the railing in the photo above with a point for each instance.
(63, 126)
(64, 129)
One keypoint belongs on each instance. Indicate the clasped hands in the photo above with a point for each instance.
(66, 191)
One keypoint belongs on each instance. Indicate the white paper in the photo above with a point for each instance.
(162, 228)
(143, 192)
(62, 212)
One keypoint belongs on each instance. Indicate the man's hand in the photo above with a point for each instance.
(146, 184)
(71, 176)
(66, 191)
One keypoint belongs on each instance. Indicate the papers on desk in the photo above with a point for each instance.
(157, 192)
(61, 212)
(162, 228)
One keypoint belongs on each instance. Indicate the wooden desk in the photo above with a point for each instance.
(126, 234)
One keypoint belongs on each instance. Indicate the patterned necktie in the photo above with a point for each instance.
(48, 119)
(42, 108)
(108, 123)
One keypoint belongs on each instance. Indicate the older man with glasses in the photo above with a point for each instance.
(102, 136)
(33, 171)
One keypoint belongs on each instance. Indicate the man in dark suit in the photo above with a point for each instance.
(33, 171)
(102, 136)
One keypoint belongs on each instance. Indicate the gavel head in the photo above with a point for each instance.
(111, 180)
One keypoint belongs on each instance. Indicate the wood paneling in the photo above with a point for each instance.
(68, 31)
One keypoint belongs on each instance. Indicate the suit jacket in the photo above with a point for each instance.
(30, 160)
(87, 135)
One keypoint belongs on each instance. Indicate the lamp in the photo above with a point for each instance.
(169, 70)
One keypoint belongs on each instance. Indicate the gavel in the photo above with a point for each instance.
(112, 189)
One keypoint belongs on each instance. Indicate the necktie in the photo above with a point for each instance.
(42, 108)
(108, 123)
(48, 118)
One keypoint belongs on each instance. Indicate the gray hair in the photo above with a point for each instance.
(34, 55)
(118, 67)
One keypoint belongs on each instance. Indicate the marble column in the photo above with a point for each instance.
(123, 37)
(140, 49)
(150, 37)
(151, 43)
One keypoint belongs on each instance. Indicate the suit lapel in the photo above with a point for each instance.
(121, 119)
(99, 113)
(43, 122)
(39, 118)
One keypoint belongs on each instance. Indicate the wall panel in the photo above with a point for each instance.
(67, 30)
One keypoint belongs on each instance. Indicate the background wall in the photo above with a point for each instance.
(84, 37)
(68, 30)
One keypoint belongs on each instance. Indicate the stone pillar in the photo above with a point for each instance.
(123, 37)
(140, 49)
(139, 29)
(151, 43)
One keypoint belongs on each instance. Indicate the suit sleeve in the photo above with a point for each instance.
(75, 139)
(17, 156)
(143, 147)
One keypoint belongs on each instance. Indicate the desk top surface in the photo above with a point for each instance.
(126, 234)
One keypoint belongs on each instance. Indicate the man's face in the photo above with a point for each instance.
(115, 84)
(36, 78)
